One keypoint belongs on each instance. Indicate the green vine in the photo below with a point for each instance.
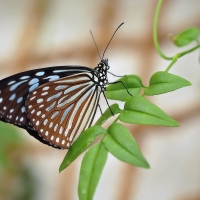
(156, 43)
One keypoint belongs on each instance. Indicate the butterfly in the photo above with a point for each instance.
(54, 104)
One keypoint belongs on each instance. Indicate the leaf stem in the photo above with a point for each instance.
(178, 55)
(187, 51)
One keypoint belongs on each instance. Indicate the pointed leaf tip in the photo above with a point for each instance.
(163, 82)
(139, 110)
(122, 145)
(81, 144)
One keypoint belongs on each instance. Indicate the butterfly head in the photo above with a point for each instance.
(102, 66)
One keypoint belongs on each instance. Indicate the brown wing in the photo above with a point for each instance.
(60, 110)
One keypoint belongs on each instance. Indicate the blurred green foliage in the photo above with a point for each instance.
(16, 179)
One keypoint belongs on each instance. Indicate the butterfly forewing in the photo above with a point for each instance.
(60, 110)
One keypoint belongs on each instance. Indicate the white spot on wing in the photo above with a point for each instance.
(50, 125)
(54, 96)
(60, 87)
(43, 116)
(51, 106)
(19, 99)
(61, 130)
(52, 78)
(33, 87)
(39, 73)
(37, 123)
(23, 109)
(11, 110)
(68, 145)
(13, 87)
(32, 98)
(33, 81)
(57, 140)
(11, 82)
(12, 97)
(55, 127)
(40, 100)
(45, 122)
(41, 106)
(24, 77)
(54, 114)
(52, 137)
(38, 113)
(45, 88)
(44, 93)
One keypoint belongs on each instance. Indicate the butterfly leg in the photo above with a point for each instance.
(100, 109)
(115, 75)
(123, 85)
(108, 104)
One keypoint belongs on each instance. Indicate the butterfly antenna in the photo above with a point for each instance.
(111, 39)
(95, 44)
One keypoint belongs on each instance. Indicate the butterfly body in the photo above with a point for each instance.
(53, 104)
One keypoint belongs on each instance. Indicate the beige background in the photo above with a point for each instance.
(41, 33)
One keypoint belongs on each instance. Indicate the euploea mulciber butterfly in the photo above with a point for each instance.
(54, 104)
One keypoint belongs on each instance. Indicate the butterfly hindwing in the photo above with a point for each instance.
(60, 110)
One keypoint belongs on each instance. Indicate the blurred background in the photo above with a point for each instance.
(42, 33)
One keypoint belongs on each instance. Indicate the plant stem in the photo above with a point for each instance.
(178, 55)
(188, 51)
(155, 30)
(172, 63)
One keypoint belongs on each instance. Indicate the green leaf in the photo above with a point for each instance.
(186, 37)
(81, 144)
(139, 110)
(91, 169)
(107, 114)
(117, 91)
(163, 82)
(122, 145)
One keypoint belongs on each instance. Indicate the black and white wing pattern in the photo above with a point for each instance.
(53, 104)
